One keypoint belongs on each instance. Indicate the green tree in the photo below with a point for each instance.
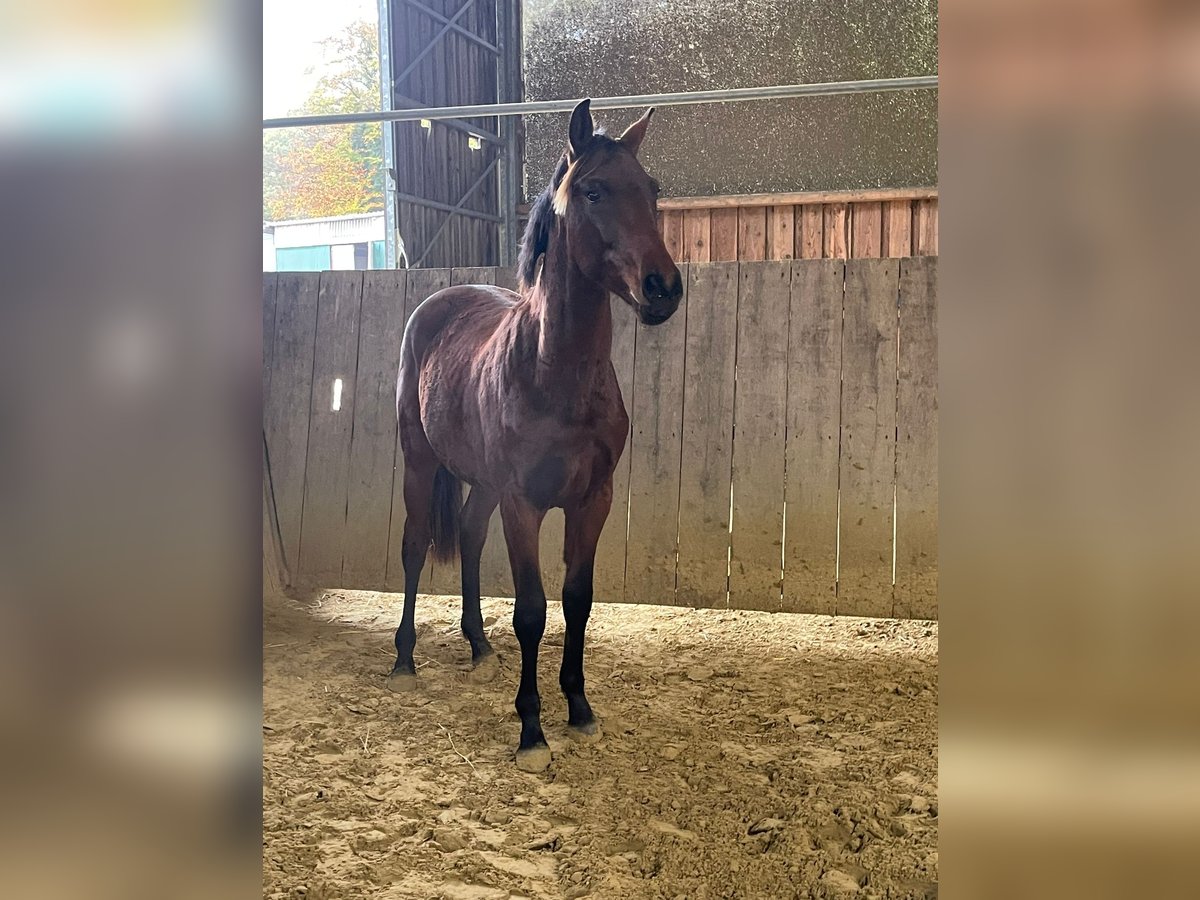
(330, 170)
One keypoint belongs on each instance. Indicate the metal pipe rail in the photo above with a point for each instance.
(682, 98)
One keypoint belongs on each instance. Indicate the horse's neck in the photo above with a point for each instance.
(574, 323)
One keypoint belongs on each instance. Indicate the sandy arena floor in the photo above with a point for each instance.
(744, 755)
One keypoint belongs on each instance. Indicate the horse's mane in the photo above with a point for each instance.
(536, 241)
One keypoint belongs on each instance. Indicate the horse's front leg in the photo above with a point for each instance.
(583, 526)
(522, 524)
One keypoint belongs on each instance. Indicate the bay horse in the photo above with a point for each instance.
(515, 394)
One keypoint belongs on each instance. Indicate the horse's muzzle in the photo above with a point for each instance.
(661, 298)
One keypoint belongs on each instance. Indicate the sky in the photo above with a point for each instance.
(291, 30)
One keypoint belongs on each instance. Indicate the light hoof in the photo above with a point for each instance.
(589, 733)
(535, 759)
(484, 670)
(402, 682)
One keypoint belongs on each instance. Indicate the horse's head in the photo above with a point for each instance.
(609, 205)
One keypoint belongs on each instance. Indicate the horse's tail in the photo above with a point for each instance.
(447, 504)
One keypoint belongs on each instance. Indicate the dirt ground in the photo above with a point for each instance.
(743, 754)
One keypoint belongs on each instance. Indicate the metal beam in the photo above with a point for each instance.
(390, 229)
(458, 208)
(508, 83)
(446, 207)
(454, 26)
(683, 98)
(403, 102)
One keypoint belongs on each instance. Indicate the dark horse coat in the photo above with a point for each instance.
(514, 393)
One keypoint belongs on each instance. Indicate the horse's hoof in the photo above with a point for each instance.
(535, 759)
(402, 682)
(485, 670)
(588, 733)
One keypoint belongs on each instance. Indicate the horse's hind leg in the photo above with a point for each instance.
(583, 526)
(472, 534)
(418, 496)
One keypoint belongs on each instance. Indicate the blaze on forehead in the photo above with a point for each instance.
(599, 151)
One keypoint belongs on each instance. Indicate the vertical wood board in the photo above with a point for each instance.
(654, 467)
(706, 470)
(866, 230)
(917, 444)
(373, 448)
(836, 226)
(697, 235)
(752, 232)
(810, 231)
(723, 229)
(814, 411)
(755, 577)
(286, 412)
(781, 228)
(327, 471)
(868, 431)
(897, 228)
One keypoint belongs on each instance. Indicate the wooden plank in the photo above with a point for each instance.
(609, 581)
(373, 438)
(270, 286)
(655, 450)
(697, 226)
(473, 275)
(897, 228)
(286, 413)
(781, 227)
(868, 461)
(275, 577)
(814, 412)
(752, 233)
(836, 226)
(917, 443)
(724, 235)
(866, 230)
(505, 278)
(760, 409)
(810, 233)
(421, 283)
(323, 528)
(672, 234)
(925, 228)
(672, 230)
(551, 552)
(797, 198)
(703, 578)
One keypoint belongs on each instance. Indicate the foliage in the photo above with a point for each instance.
(330, 170)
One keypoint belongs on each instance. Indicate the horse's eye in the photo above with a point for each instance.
(592, 196)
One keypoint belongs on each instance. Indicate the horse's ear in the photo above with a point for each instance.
(632, 138)
(582, 128)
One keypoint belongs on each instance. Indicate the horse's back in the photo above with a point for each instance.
(474, 308)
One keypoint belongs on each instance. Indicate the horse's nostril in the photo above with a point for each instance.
(654, 287)
(676, 287)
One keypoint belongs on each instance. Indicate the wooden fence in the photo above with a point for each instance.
(831, 225)
(798, 397)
